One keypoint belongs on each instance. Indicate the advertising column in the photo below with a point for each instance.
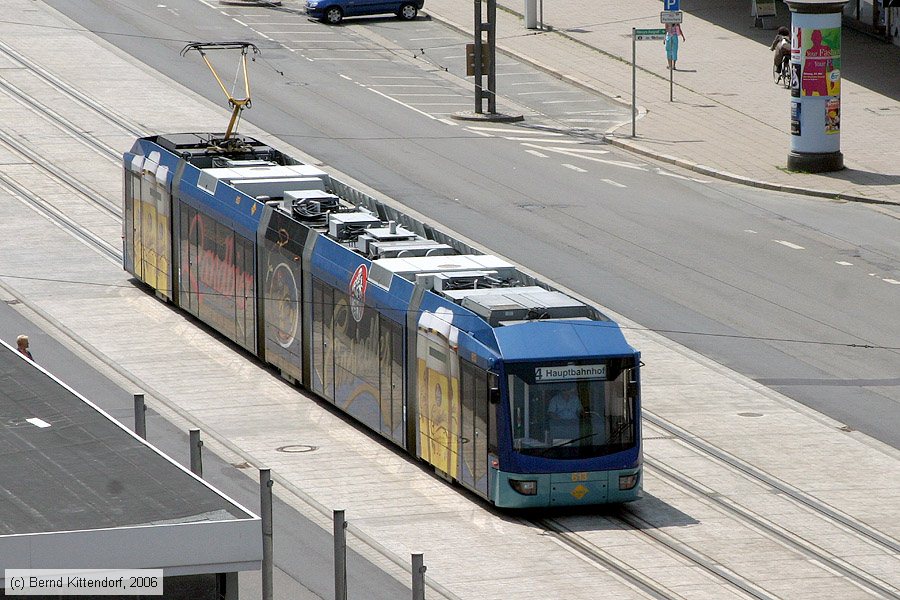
(815, 86)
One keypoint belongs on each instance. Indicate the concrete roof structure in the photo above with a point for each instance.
(79, 490)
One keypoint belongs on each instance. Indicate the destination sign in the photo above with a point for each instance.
(569, 373)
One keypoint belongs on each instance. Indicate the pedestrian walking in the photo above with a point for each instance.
(22, 346)
(673, 30)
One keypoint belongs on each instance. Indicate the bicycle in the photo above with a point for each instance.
(784, 77)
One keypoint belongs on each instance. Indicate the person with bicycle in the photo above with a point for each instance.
(782, 47)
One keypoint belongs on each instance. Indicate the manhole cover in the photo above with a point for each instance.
(295, 448)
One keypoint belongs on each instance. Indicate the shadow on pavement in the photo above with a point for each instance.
(866, 60)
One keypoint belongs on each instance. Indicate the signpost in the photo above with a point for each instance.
(671, 16)
(641, 35)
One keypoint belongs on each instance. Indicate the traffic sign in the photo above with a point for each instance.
(671, 5)
(671, 16)
(649, 34)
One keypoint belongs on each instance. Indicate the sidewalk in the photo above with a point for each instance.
(728, 118)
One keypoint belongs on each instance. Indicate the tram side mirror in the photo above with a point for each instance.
(494, 395)
(494, 388)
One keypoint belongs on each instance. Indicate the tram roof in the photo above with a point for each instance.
(561, 340)
(81, 490)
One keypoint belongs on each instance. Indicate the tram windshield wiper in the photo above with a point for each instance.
(566, 443)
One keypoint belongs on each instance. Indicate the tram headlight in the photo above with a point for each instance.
(526, 487)
(626, 482)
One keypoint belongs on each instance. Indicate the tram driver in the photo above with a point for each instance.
(564, 411)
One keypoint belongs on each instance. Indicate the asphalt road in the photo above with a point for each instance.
(788, 290)
(303, 550)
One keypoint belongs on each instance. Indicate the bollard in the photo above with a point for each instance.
(140, 416)
(418, 576)
(265, 512)
(196, 455)
(340, 556)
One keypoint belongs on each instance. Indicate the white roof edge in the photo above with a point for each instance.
(189, 548)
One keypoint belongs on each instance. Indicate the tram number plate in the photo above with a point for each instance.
(579, 476)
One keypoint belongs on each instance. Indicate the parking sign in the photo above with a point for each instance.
(671, 4)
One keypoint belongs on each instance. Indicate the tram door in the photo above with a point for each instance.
(438, 391)
(476, 424)
(322, 339)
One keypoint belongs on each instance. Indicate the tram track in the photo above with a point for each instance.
(811, 503)
(571, 539)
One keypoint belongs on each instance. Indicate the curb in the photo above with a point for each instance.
(637, 149)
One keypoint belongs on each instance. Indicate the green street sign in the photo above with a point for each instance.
(649, 34)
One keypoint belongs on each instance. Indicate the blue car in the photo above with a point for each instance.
(333, 11)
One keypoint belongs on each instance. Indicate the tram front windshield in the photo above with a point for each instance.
(572, 419)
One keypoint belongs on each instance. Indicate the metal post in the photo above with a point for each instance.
(633, 79)
(140, 416)
(196, 457)
(340, 556)
(492, 56)
(265, 510)
(671, 83)
(478, 74)
(418, 576)
(541, 15)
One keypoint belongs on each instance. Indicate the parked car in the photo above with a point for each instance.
(333, 11)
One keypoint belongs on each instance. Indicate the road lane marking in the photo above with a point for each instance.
(789, 245)
(844, 263)
(402, 103)
(574, 168)
(615, 183)
(892, 281)
(617, 163)
(536, 153)
(516, 131)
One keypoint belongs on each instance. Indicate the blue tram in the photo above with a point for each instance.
(520, 393)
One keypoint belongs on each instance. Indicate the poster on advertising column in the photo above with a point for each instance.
(833, 116)
(820, 56)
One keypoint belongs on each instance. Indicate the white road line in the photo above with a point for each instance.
(549, 92)
(566, 101)
(574, 168)
(676, 176)
(483, 134)
(515, 131)
(345, 77)
(581, 151)
(442, 103)
(843, 263)
(892, 281)
(527, 139)
(449, 122)
(431, 95)
(750, 231)
(567, 152)
(536, 153)
(330, 58)
(789, 245)
(615, 183)
(403, 85)
(529, 83)
(402, 103)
